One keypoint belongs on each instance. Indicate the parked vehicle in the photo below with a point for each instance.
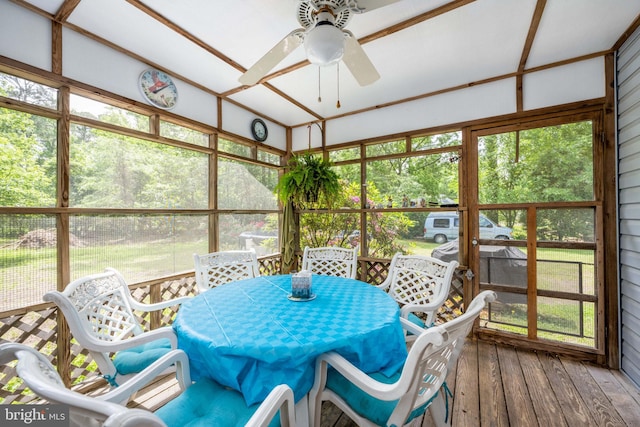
(443, 226)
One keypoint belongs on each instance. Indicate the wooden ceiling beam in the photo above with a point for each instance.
(625, 36)
(187, 35)
(445, 8)
(531, 36)
(66, 10)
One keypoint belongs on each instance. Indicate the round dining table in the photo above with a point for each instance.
(251, 335)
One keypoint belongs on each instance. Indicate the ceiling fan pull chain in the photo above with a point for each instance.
(338, 69)
(319, 97)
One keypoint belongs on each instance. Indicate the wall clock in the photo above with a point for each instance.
(158, 88)
(259, 130)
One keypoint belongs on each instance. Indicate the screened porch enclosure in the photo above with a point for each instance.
(174, 190)
(520, 138)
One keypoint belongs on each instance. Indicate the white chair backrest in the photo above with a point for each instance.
(416, 280)
(430, 360)
(331, 261)
(103, 302)
(217, 268)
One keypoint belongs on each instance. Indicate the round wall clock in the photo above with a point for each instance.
(158, 88)
(259, 130)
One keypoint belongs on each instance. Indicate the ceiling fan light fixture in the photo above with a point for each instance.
(324, 44)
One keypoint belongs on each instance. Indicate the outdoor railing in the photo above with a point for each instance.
(37, 327)
(565, 291)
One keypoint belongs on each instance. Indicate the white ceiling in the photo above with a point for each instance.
(199, 41)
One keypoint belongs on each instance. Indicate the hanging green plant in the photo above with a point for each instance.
(309, 183)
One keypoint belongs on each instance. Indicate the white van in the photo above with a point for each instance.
(443, 226)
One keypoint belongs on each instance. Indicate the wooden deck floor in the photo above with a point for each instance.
(497, 385)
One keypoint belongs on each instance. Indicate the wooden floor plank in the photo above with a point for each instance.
(493, 408)
(156, 394)
(331, 416)
(627, 384)
(576, 413)
(543, 399)
(619, 397)
(601, 409)
(466, 408)
(519, 406)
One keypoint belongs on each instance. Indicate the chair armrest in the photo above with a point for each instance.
(137, 305)
(419, 308)
(429, 309)
(360, 379)
(411, 327)
(138, 381)
(280, 398)
(94, 344)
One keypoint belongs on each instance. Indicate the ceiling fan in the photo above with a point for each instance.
(325, 41)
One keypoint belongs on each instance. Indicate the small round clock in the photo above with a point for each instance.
(259, 130)
(158, 88)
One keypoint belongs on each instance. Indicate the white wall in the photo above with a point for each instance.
(465, 104)
(25, 36)
(561, 85)
(628, 77)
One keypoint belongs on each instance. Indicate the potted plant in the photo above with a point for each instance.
(310, 182)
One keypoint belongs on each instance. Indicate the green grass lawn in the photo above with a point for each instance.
(418, 246)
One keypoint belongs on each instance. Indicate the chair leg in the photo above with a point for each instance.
(439, 412)
(315, 408)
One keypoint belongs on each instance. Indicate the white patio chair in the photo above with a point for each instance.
(202, 403)
(375, 399)
(331, 261)
(99, 311)
(217, 268)
(420, 284)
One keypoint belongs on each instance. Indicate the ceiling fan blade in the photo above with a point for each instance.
(272, 58)
(363, 6)
(358, 62)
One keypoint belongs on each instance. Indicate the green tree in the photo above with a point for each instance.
(24, 178)
(548, 164)
(337, 229)
(111, 170)
(41, 133)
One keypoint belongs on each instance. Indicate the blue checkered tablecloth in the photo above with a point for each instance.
(249, 336)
